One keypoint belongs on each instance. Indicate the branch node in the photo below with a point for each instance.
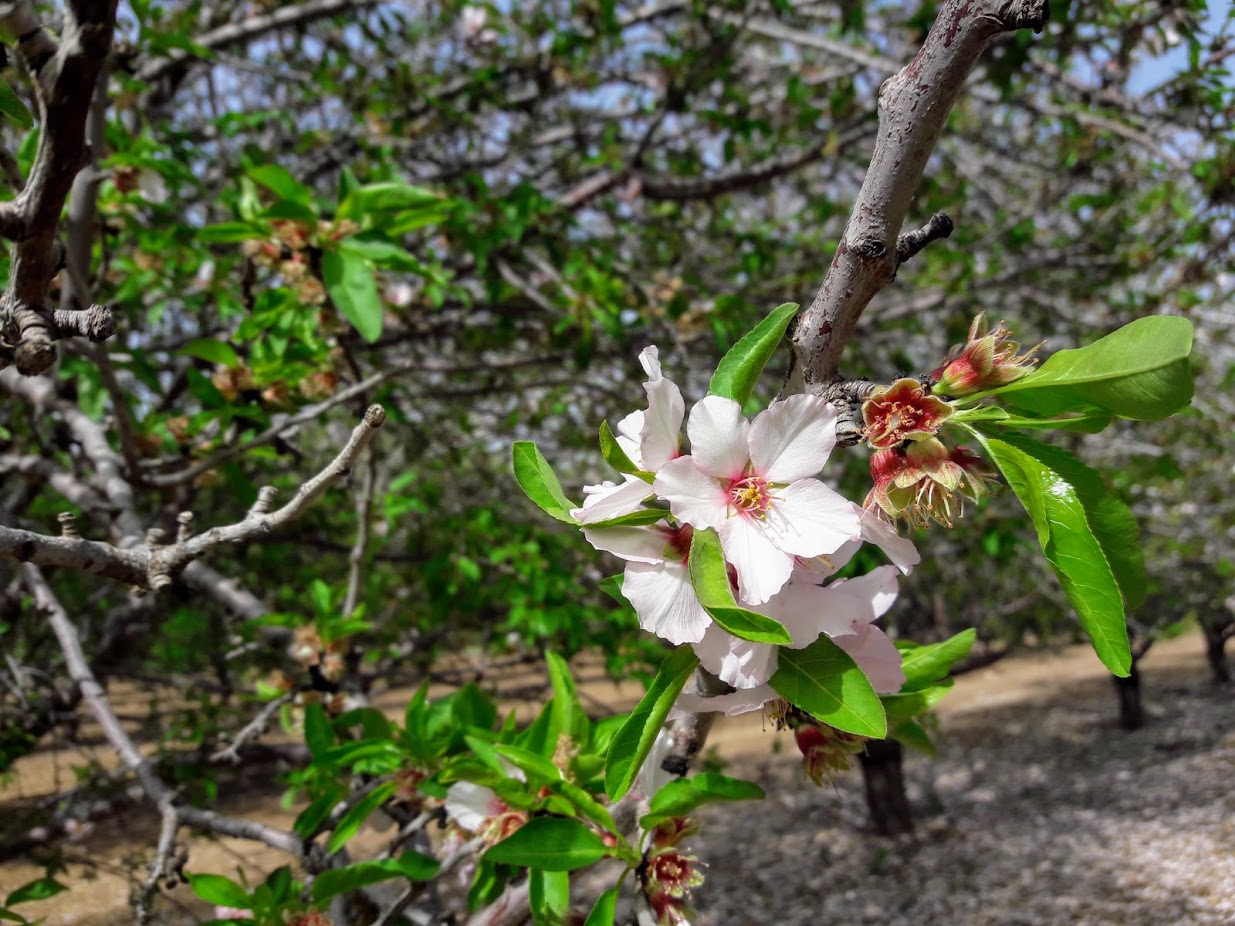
(154, 536)
(68, 525)
(938, 226)
(265, 498)
(375, 416)
(185, 520)
(869, 249)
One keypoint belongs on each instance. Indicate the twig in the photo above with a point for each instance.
(910, 243)
(356, 557)
(159, 865)
(254, 728)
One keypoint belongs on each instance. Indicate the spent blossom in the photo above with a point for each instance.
(902, 412)
(986, 361)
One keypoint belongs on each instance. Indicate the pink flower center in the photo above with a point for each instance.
(751, 496)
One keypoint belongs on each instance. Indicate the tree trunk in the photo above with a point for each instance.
(1128, 690)
(883, 771)
(1215, 652)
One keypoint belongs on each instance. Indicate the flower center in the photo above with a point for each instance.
(751, 496)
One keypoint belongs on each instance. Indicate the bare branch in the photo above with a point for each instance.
(913, 106)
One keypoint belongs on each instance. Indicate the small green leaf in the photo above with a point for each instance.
(913, 734)
(334, 881)
(230, 233)
(900, 707)
(389, 196)
(218, 890)
(1140, 371)
(280, 182)
(535, 476)
(583, 802)
(39, 889)
(357, 814)
(709, 575)
(349, 280)
(569, 716)
(604, 913)
(634, 740)
(213, 351)
(1087, 535)
(824, 681)
(12, 106)
(528, 762)
(615, 456)
(550, 844)
(683, 795)
(549, 896)
(638, 518)
(1086, 423)
(612, 586)
(738, 371)
(925, 665)
(317, 733)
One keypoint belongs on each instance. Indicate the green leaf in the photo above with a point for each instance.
(229, 233)
(682, 795)
(638, 518)
(913, 734)
(900, 707)
(334, 881)
(568, 713)
(739, 369)
(604, 913)
(12, 106)
(390, 196)
(583, 802)
(39, 889)
(213, 351)
(535, 476)
(280, 182)
(615, 456)
(824, 681)
(531, 764)
(550, 844)
(1087, 423)
(1140, 371)
(632, 743)
(612, 586)
(549, 896)
(313, 816)
(218, 890)
(349, 280)
(925, 665)
(709, 575)
(317, 733)
(357, 814)
(384, 254)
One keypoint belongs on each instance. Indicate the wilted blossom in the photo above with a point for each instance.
(825, 750)
(986, 361)
(900, 412)
(754, 483)
(927, 482)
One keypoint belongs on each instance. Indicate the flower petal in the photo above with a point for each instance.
(660, 438)
(470, 804)
(693, 496)
(735, 661)
(649, 359)
(871, 595)
(763, 568)
(718, 437)
(809, 519)
(665, 601)
(603, 503)
(877, 656)
(736, 702)
(792, 438)
(900, 550)
(633, 544)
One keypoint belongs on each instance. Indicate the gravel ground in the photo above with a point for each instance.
(1030, 815)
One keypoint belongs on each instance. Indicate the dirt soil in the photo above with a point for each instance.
(1038, 811)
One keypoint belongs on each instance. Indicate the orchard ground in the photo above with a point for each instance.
(1038, 810)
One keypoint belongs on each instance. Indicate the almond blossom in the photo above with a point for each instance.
(754, 483)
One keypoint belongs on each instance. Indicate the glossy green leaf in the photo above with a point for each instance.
(569, 716)
(612, 586)
(900, 707)
(531, 764)
(350, 282)
(334, 881)
(604, 912)
(549, 896)
(584, 803)
(616, 457)
(213, 351)
(634, 740)
(914, 735)
(217, 889)
(824, 681)
(535, 476)
(709, 575)
(1086, 423)
(1140, 371)
(551, 844)
(738, 371)
(1088, 536)
(925, 665)
(317, 733)
(357, 814)
(679, 797)
(642, 517)
(12, 106)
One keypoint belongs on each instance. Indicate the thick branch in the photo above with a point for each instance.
(913, 107)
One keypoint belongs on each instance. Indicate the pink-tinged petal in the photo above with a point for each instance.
(873, 593)
(629, 428)
(665, 601)
(809, 519)
(633, 544)
(693, 496)
(792, 438)
(470, 805)
(718, 437)
(735, 661)
(763, 568)
(609, 503)
(877, 656)
(649, 359)
(900, 550)
(660, 439)
(736, 702)
(808, 610)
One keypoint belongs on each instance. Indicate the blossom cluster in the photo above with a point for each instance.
(783, 533)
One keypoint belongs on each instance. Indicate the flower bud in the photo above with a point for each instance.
(985, 361)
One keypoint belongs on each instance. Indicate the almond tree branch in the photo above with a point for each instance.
(913, 107)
